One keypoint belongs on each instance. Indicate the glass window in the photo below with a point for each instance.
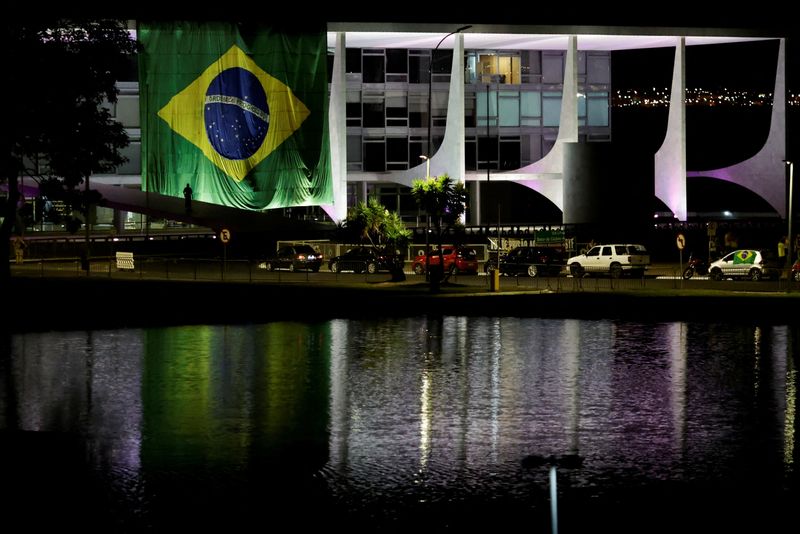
(134, 154)
(442, 63)
(469, 110)
(374, 68)
(509, 153)
(417, 110)
(396, 109)
(397, 60)
(353, 60)
(530, 108)
(487, 152)
(470, 156)
(470, 68)
(416, 147)
(598, 69)
(597, 112)
(374, 115)
(418, 62)
(551, 108)
(552, 67)
(509, 108)
(374, 155)
(354, 149)
(396, 153)
(481, 99)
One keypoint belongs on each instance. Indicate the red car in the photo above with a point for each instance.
(796, 271)
(456, 260)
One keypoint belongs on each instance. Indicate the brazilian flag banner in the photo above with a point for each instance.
(744, 257)
(239, 112)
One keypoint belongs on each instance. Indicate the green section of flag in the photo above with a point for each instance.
(238, 112)
(744, 256)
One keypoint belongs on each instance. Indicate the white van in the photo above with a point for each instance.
(615, 260)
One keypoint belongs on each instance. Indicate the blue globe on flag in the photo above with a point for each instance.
(236, 113)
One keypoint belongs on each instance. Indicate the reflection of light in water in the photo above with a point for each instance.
(676, 339)
(495, 383)
(756, 359)
(790, 415)
(425, 419)
(338, 398)
(572, 341)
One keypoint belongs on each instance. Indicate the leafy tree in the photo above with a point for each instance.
(444, 201)
(370, 222)
(377, 225)
(59, 74)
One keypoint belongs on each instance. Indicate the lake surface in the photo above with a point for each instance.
(423, 423)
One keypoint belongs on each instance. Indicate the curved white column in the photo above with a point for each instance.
(670, 160)
(545, 175)
(337, 128)
(765, 173)
(450, 157)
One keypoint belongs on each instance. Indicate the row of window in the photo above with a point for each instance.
(511, 67)
(399, 109)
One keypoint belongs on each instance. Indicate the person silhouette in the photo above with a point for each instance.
(187, 198)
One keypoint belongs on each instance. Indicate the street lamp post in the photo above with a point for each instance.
(428, 221)
(789, 245)
(430, 86)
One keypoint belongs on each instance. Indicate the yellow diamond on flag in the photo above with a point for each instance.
(235, 113)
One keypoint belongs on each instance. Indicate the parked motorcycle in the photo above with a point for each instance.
(695, 265)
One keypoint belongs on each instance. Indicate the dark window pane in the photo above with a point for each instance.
(470, 159)
(373, 115)
(442, 61)
(418, 69)
(396, 60)
(418, 120)
(509, 155)
(374, 157)
(374, 69)
(353, 61)
(396, 149)
(415, 150)
(353, 110)
(487, 148)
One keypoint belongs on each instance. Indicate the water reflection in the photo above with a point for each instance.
(428, 422)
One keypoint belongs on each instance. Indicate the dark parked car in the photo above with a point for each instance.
(533, 261)
(294, 258)
(360, 259)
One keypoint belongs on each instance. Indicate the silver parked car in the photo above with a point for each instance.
(752, 264)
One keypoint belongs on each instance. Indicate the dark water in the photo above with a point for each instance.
(424, 424)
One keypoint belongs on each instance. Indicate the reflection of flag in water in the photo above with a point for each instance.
(744, 256)
(240, 115)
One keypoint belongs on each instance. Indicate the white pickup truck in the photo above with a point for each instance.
(614, 260)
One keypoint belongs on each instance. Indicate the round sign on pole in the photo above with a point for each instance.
(681, 241)
(225, 235)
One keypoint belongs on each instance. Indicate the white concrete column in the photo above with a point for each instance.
(670, 160)
(450, 156)
(337, 128)
(765, 173)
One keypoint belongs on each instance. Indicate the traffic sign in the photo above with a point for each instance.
(225, 235)
(681, 241)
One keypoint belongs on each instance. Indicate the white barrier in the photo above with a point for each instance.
(125, 260)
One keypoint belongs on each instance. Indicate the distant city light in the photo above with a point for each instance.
(655, 97)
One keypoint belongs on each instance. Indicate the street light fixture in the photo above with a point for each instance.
(430, 85)
(789, 255)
